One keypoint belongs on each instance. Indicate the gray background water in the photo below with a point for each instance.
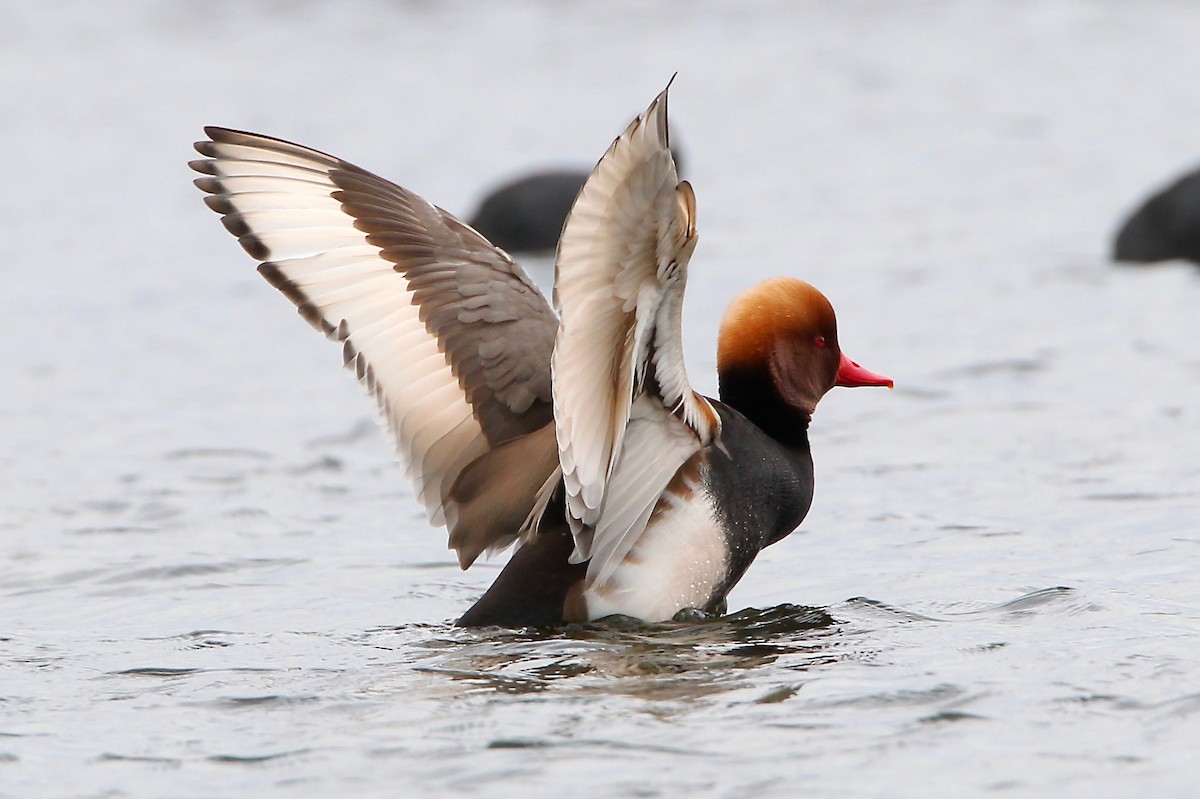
(214, 580)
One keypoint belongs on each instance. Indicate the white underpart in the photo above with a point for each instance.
(620, 275)
(680, 561)
(656, 446)
(286, 202)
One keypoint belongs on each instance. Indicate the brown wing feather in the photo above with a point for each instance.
(448, 333)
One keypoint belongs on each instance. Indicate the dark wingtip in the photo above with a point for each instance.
(219, 203)
(208, 185)
(251, 243)
(220, 134)
(203, 166)
(238, 227)
(309, 312)
(275, 276)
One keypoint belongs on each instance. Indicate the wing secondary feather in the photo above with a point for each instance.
(621, 270)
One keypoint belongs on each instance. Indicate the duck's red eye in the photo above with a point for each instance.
(819, 341)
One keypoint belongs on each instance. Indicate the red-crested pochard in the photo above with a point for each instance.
(576, 436)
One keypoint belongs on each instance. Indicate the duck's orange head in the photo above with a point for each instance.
(782, 334)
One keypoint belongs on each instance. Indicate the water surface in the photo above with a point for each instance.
(214, 580)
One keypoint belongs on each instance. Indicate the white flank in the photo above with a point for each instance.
(676, 564)
(655, 447)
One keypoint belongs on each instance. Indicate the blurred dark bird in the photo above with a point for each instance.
(1166, 226)
(526, 214)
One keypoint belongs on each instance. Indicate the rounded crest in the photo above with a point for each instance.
(778, 344)
(780, 308)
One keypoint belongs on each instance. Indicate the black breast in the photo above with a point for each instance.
(762, 489)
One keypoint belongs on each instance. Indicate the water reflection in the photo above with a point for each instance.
(682, 659)
(670, 660)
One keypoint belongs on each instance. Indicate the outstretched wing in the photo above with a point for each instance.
(446, 331)
(619, 284)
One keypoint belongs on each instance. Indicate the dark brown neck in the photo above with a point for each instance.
(751, 391)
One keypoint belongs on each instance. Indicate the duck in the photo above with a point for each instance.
(570, 432)
(1165, 227)
(527, 213)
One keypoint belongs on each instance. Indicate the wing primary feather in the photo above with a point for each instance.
(412, 294)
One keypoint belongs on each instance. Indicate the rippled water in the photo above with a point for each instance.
(214, 580)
